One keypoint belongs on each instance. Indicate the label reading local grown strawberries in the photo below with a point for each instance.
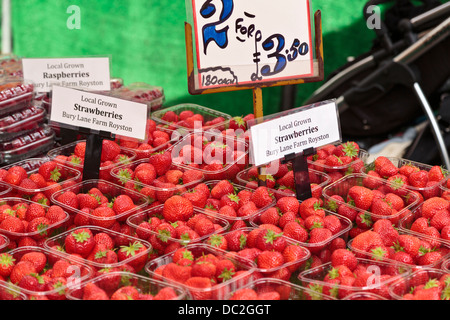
(91, 73)
(76, 108)
(294, 131)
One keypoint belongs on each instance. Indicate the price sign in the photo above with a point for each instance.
(247, 42)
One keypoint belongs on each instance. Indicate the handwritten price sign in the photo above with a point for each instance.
(242, 42)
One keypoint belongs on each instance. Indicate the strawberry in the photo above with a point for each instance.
(319, 237)
(432, 205)
(199, 287)
(361, 196)
(135, 254)
(295, 231)
(50, 171)
(103, 255)
(244, 294)
(436, 173)
(294, 253)
(80, 241)
(176, 272)
(177, 208)
(21, 269)
(270, 259)
(262, 197)
(236, 240)
(286, 204)
(110, 150)
(344, 257)
(68, 198)
(34, 210)
(365, 240)
(217, 241)
(39, 227)
(12, 224)
(161, 161)
(7, 263)
(223, 187)
(311, 206)
(55, 214)
(268, 239)
(418, 179)
(103, 216)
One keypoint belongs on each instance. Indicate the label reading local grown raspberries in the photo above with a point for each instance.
(91, 73)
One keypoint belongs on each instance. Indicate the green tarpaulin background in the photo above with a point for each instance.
(145, 40)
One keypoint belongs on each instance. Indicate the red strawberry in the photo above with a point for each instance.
(295, 231)
(418, 179)
(436, 173)
(21, 269)
(80, 241)
(262, 197)
(135, 254)
(50, 171)
(269, 260)
(361, 196)
(177, 208)
(103, 216)
(199, 287)
(294, 253)
(344, 257)
(223, 187)
(7, 262)
(110, 150)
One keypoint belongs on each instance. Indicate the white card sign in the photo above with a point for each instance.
(300, 129)
(240, 42)
(76, 108)
(92, 73)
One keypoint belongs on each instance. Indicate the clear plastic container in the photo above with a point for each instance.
(426, 192)
(75, 273)
(161, 193)
(446, 265)
(8, 292)
(11, 66)
(364, 296)
(289, 270)
(407, 221)
(163, 242)
(237, 188)
(104, 170)
(343, 169)
(418, 278)
(141, 92)
(202, 146)
(4, 243)
(5, 190)
(342, 186)
(249, 178)
(41, 233)
(32, 144)
(110, 191)
(279, 290)
(434, 244)
(21, 122)
(314, 278)
(31, 166)
(207, 114)
(318, 247)
(146, 288)
(15, 94)
(244, 270)
(120, 240)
